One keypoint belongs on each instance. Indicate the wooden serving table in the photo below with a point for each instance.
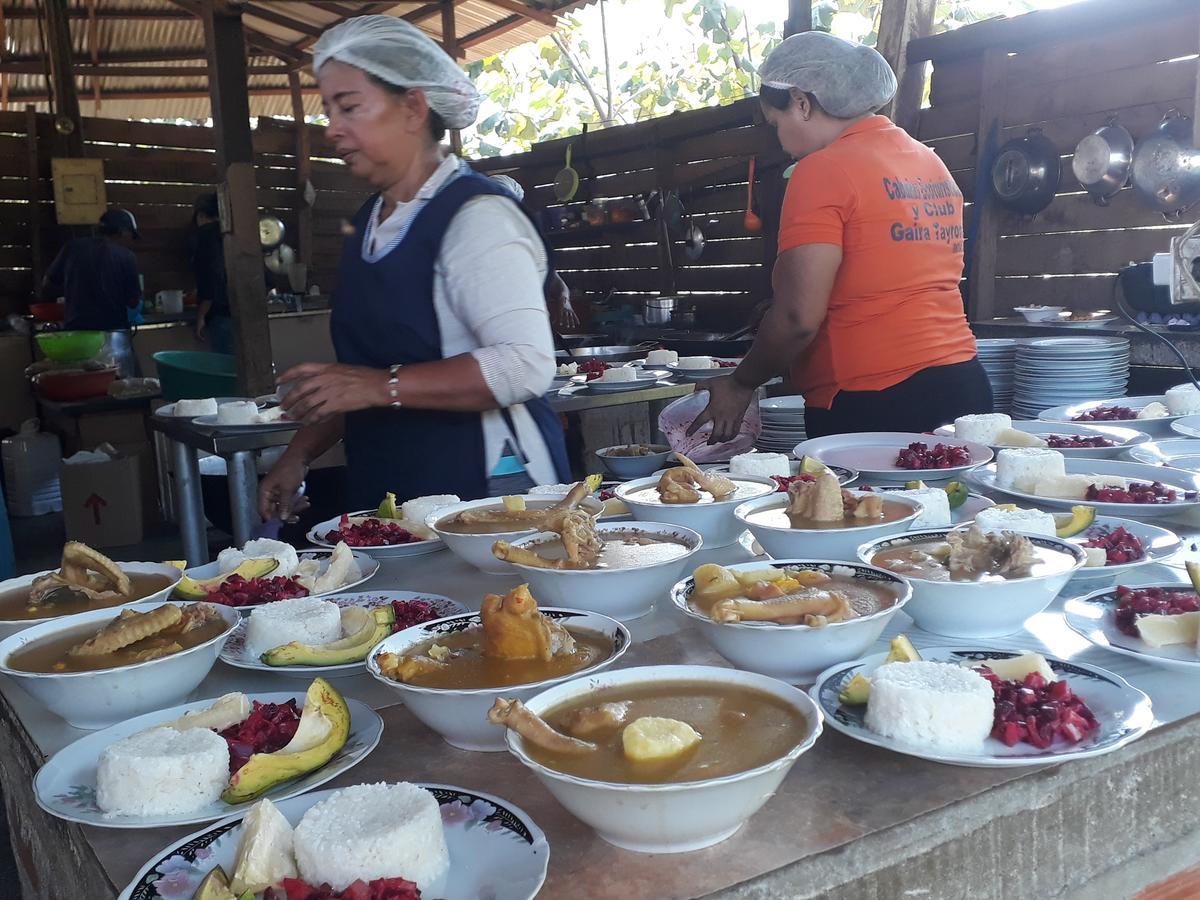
(850, 821)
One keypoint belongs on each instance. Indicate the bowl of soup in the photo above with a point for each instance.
(712, 518)
(634, 460)
(472, 541)
(100, 667)
(454, 701)
(786, 535)
(638, 564)
(797, 644)
(984, 596)
(752, 730)
(148, 582)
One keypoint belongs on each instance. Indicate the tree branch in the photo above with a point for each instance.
(577, 68)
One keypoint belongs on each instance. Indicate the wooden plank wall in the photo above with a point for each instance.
(1136, 67)
(156, 171)
(705, 155)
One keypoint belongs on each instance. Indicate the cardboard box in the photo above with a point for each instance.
(102, 502)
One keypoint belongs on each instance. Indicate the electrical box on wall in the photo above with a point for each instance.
(1185, 254)
(80, 197)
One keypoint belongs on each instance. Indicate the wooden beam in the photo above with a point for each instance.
(901, 21)
(981, 267)
(303, 171)
(529, 12)
(370, 9)
(69, 121)
(225, 40)
(168, 94)
(256, 39)
(288, 22)
(799, 17)
(148, 56)
(34, 207)
(449, 31)
(118, 14)
(94, 47)
(102, 70)
(491, 31)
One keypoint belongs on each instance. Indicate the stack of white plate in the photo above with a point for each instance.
(998, 356)
(782, 424)
(1059, 371)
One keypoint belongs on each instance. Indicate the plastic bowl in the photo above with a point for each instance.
(74, 384)
(48, 312)
(634, 466)
(69, 346)
(190, 374)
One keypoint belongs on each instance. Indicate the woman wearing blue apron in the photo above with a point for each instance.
(440, 329)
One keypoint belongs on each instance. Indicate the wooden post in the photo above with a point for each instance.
(303, 170)
(899, 22)
(35, 200)
(225, 42)
(981, 283)
(450, 45)
(68, 121)
(799, 17)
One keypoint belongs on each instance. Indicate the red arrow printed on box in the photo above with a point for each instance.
(94, 503)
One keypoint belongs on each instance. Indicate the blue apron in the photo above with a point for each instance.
(383, 314)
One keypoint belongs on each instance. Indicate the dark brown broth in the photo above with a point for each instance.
(15, 605)
(917, 561)
(452, 525)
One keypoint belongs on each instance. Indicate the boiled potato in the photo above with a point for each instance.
(715, 582)
(656, 739)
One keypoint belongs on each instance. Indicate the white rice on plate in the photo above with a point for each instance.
(662, 358)
(931, 704)
(1183, 400)
(936, 503)
(192, 408)
(761, 464)
(695, 362)
(1026, 521)
(419, 509)
(981, 428)
(307, 620)
(373, 831)
(1023, 467)
(618, 374)
(260, 548)
(237, 412)
(162, 772)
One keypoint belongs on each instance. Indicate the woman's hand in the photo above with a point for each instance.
(727, 402)
(278, 489)
(322, 390)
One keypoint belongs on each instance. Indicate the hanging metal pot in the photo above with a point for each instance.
(1166, 167)
(1103, 159)
(1026, 173)
(270, 231)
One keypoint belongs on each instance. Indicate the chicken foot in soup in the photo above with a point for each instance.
(530, 726)
(975, 552)
(579, 539)
(128, 628)
(684, 484)
(540, 518)
(84, 570)
(810, 606)
(513, 628)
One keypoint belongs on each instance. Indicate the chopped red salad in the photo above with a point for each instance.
(268, 728)
(378, 889)
(370, 533)
(786, 481)
(412, 612)
(1106, 414)
(593, 369)
(1138, 492)
(1120, 546)
(1151, 601)
(1037, 711)
(917, 455)
(238, 591)
(1077, 441)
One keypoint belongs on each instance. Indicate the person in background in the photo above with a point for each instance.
(98, 276)
(558, 296)
(442, 339)
(213, 321)
(867, 311)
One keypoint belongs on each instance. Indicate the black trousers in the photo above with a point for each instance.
(932, 397)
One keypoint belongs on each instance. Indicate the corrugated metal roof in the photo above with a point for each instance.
(154, 36)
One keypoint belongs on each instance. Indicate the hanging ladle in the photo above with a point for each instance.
(751, 222)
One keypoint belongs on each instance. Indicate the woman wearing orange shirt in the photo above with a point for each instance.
(867, 315)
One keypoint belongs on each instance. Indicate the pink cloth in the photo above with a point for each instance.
(675, 420)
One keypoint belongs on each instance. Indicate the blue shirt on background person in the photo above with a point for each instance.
(98, 275)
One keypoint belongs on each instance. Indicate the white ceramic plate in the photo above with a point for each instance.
(234, 651)
(366, 565)
(211, 422)
(985, 477)
(873, 454)
(1123, 438)
(1159, 543)
(1161, 425)
(844, 476)
(1188, 426)
(66, 785)
(496, 850)
(1181, 453)
(1124, 712)
(705, 374)
(645, 378)
(417, 548)
(168, 411)
(1093, 616)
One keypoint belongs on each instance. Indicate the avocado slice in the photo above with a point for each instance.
(215, 886)
(957, 493)
(856, 692)
(1193, 570)
(1082, 518)
(323, 729)
(914, 485)
(363, 629)
(198, 589)
(902, 650)
(388, 508)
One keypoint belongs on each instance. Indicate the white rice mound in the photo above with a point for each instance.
(936, 503)
(419, 509)
(190, 408)
(162, 772)
(1183, 400)
(1026, 521)
(237, 412)
(982, 428)
(695, 362)
(761, 464)
(260, 548)
(1023, 467)
(930, 704)
(619, 373)
(662, 358)
(305, 619)
(373, 831)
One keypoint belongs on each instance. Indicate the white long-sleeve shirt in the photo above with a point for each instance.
(488, 299)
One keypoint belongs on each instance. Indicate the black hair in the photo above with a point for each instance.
(781, 98)
(437, 125)
(206, 204)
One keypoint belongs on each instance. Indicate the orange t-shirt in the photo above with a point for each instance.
(895, 309)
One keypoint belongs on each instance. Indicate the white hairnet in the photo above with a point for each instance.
(847, 79)
(511, 185)
(399, 53)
